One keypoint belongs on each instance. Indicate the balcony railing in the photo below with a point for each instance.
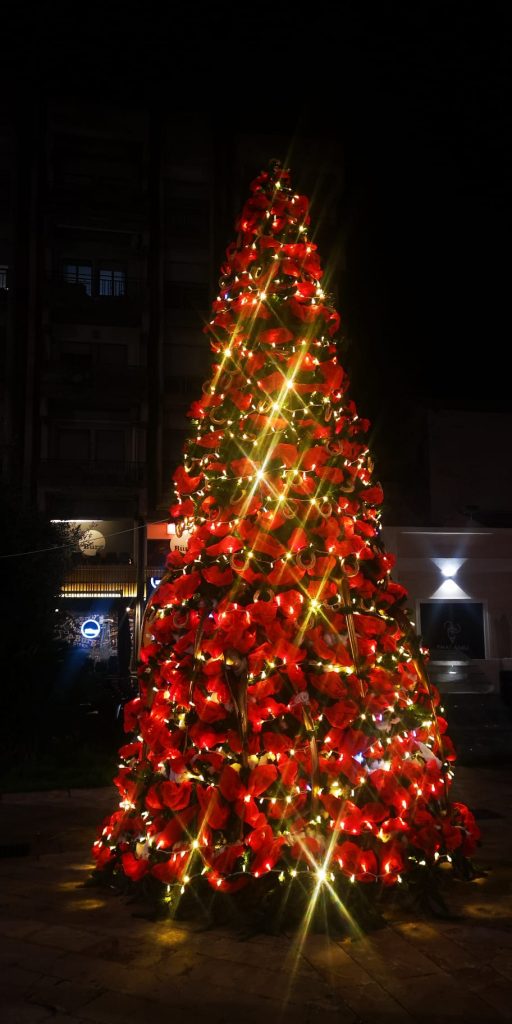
(72, 300)
(90, 374)
(61, 471)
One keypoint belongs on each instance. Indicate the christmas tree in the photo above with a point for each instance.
(286, 738)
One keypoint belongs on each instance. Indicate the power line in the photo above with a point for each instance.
(71, 547)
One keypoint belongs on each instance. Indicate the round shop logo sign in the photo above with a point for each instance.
(90, 629)
(91, 541)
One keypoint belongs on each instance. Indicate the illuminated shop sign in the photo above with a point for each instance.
(91, 541)
(90, 629)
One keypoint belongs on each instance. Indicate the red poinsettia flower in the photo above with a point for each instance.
(213, 811)
(465, 820)
(175, 829)
(145, 653)
(209, 708)
(223, 861)
(275, 336)
(243, 467)
(242, 796)
(373, 495)
(308, 849)
(102, 855)
(182, 508)
(288, 770)
(307, 314)
(204, 737)
(216, 576)
(391, 863)
(266, 847)
(210, 439)
(330, 473)
(353, 861)
(220, 884)
(131, 713)
(173, 869)
(226, 546)
(259, 540)
(305, 289)
(342, 713)
(284, 573)
(313, 457)
(262, 612)
(133, 867)
(290, 603)
(186, 483)
(185, 586)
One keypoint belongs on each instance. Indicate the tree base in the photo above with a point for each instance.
(269, 906)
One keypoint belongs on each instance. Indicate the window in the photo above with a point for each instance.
(188, 217)
(112, 282)
(110, 445)
(73, 445)
(79, 274)
(3, 278)
(76, 353)
(112, 354)
(453, 628)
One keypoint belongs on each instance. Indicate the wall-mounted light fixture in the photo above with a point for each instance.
(449, 566)
(449, 589)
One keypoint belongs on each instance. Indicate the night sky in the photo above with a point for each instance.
(420, 102)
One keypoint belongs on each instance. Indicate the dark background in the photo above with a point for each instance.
(419, 97)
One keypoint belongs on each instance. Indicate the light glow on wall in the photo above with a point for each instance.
(449, 566)
(450, 590)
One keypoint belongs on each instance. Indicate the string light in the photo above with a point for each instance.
(282, 697)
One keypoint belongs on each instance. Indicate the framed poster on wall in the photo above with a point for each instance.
(453, 627)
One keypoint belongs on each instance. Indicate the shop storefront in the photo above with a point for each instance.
(99, 599)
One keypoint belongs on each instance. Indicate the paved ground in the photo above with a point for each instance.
(71, 954)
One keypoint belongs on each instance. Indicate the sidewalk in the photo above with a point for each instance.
(71, 954)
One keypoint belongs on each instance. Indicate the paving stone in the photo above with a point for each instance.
(64, 1018)
(483, 941)
(229, 949)
(338, 1014)
(446, 1000)
(108, 964)
(59, 995)
(372, 1005)
(253, 980)
(124, 949)
(18, 928)
(22, 953)
(502, 963)
(492, 988)
(64, 938)
(446, 953)
(80, 969)
(18, 1012)
(116, 1008)
(335, 965)
(383, 954)
(17, 979)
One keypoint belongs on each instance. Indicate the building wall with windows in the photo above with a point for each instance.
(109, 259)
